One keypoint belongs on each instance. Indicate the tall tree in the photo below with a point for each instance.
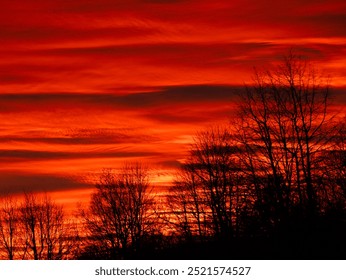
(284, 129)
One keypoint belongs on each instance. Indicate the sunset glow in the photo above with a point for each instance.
(87, 85)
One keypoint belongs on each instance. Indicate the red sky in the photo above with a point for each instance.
(86, 85)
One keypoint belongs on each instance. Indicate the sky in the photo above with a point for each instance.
(87, 85)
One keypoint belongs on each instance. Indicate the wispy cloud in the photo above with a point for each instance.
(86, 84)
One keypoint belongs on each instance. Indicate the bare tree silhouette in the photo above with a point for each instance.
(10, 237)
(48, 235)
(120, 213)
(208, 192)
(186, 202)
(285, 127)
(279, 177)
(333, 179)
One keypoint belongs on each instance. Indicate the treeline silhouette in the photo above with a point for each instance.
(271, 185)
(36, 228)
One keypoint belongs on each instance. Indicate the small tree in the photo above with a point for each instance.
(187, 208)
(120, 213)
(10, 237)
(48, 235)
(210, 187)
(333, 181)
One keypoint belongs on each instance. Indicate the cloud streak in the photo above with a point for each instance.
(88, 84)
(23, 182)
(82, 46)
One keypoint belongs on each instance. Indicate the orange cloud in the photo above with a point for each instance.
(85, 85)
